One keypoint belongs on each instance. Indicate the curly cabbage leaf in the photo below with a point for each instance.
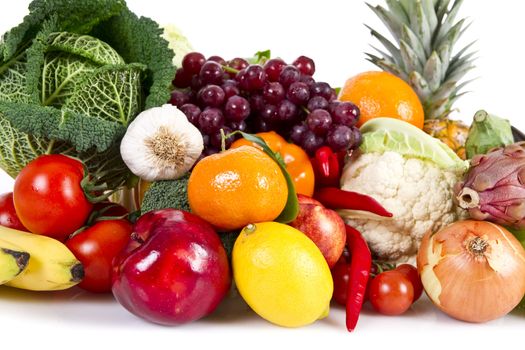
(72, 76)
(85, 46)
(72, 16)
(60, 74)
(139, 40)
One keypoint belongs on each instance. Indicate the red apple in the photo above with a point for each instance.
(307, 200)
(323, 226)
(174, 269)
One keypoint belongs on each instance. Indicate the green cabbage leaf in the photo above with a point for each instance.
(73, 75)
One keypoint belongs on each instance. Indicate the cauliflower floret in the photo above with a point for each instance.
(417, 192)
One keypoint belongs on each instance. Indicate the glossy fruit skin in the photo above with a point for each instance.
(297, 161)
(8, 217)
(281, 274)
(237, 187)
(341, 277)
(48, 197)
(410, 271)
(323, 226)
(382, 94)
(391, 293)
(173, 271)
(96, 247)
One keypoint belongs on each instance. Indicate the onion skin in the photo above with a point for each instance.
(468, 286)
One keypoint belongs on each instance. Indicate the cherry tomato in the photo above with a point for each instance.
(340, 275)
(391, 293)
(8, 217)
(96, 247)
(49, 198)
(411, 273)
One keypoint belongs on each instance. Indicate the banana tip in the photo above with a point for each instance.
(77, 273)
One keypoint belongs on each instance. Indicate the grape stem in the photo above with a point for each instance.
(230, 69)
(305, 109)
(223, 140)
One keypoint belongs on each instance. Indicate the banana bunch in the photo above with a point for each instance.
(35, 262)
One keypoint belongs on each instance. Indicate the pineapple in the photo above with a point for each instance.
(425, 32)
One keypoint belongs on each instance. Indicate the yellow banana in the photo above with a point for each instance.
(51, 265)
(12, 262)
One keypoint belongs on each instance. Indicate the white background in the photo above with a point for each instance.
(332, 33)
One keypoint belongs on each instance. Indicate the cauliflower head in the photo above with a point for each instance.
(417, 192)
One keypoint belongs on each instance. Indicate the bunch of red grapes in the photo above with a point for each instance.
(233, 95)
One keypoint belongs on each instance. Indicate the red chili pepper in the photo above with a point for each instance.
(327, 167)
(335, 198)
(359, 272)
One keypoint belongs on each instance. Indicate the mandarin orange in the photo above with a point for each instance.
(237, 187)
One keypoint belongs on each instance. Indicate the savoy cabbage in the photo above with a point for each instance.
(73, 75)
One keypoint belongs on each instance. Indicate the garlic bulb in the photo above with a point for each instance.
(161, 144)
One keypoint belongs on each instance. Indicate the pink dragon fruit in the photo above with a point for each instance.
(494, 187)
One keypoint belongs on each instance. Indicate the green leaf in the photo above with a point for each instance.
(17, 148)
(388, 134)
(139, 40)
(75, 16)
(413, 41)
(84, 118)
(111, 93)
(390, 21)
(61, 73)
(13, 80)
(430, 14)
(391, 48)
(82, 131)
(410, 57)
(420, 85)
(387, 66)
(398, 10)
(420, 26)
(261, 57)
(291, 208)
(433, 71)
(85, 46)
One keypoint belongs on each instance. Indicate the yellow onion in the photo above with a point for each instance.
(473, 270)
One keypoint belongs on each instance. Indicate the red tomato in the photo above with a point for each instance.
(411, 273)
(96, 247)
(48, 197)
(8, 217)
(340, 275)
(391, 293)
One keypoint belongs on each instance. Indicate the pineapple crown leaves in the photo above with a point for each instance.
(425, 32)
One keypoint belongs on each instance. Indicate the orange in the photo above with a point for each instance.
(382, 94)
(237, 187)
(295, 158)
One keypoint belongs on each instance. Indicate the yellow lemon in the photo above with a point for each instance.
(281, 274)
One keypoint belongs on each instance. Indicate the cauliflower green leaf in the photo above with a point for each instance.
(388, 134)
